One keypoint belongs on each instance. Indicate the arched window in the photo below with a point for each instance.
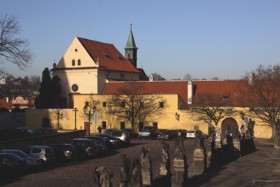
(73, 62)
(79, 62)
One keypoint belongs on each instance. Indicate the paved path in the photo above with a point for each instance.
(260, 168)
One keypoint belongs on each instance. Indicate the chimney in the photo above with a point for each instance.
(190, 92)
(251, 78)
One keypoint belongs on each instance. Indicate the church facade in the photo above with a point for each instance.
(92, 73)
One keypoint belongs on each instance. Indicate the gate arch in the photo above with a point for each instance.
(228, 124)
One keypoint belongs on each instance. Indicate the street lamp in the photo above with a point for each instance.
(58, 115)
(75, 110)
(88, 110)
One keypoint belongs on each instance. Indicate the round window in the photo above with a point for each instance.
(75, 87)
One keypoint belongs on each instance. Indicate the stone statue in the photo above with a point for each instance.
(199, 140)
(145, 159)
(165, 157)
(217, 133)
(105, 177)
(136, 177)
(211, 133)
(179, 148)
(146, 166)
(96, 177)
(251, 125)
(235, 132)
(165, 151)
(125, 171)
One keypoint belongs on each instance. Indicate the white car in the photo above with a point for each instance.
(190, 134)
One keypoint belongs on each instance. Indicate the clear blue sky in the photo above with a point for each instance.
(223, 38)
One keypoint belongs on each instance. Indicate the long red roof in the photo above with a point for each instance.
(107, 56)
(233, 89)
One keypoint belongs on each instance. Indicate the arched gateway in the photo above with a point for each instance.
(228, 124)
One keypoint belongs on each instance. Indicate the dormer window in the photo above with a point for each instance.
(119, 57)
(79, 62)
(73, 62)
(106, 56)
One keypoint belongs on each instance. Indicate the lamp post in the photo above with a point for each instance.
(88, 111)
(75, 111)
(59, 115)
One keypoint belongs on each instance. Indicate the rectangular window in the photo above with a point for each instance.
(104, 125)
(122, 125)
(141, 104)
(155, 124)
(161, 105)
(86, 103)
(104, 104)
(122, 104)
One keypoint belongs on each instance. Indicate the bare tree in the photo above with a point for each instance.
(209, 108)
(187, 77)
(264, 97)
(132, 105)
(158, 77)
(12, 48)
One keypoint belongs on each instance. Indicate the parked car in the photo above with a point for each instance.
(44, 131)
(31, 160)
(165, 134)
(64, 151)
(43, 152)
(88, 148)
(102, 140)
(123, 136)
(114, 140)
(190, 134)
(148, 132)
(132, 133)
(12, 163)
(21, 132)
(109, 131)
(181, 132)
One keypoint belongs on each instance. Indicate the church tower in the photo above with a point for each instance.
(131, 49)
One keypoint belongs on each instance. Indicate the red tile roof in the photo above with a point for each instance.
(107, 56)
(233, 89)
(152, 87)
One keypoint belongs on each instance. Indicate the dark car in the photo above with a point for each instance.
(102, 140)
(44, 131)
(123, 136)
(88, 148)
(132, 133)
(44, 153)
(12, 163)
(64, 151)
(30, 160)
(114, 140)
(150, 132)
(165, 134)
(21, 132)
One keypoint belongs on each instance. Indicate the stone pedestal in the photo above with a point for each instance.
(179, 176)
(218, 144)
(146, 176)
(198, 161)
(165, 169)
(236, 146)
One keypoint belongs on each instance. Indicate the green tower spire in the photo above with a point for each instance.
(131, 49)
